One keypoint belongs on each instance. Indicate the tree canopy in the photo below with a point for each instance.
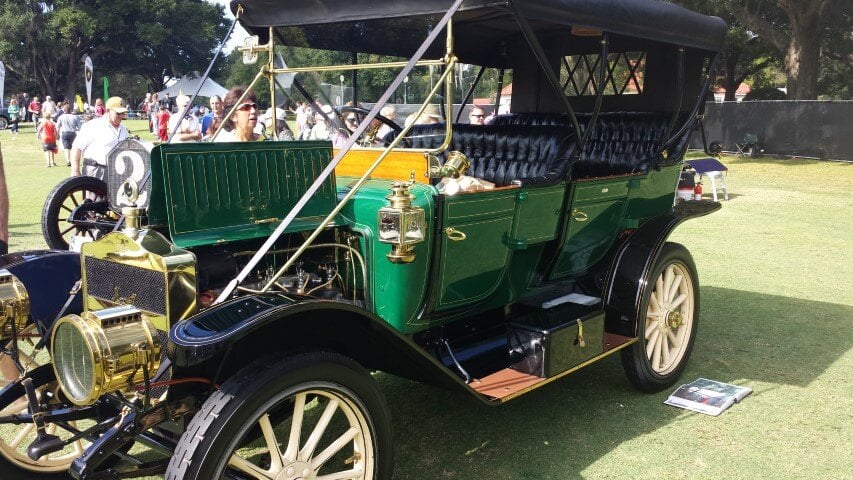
(43, 43)
(810, 40)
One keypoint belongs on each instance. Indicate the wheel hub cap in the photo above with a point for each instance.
(674, 319)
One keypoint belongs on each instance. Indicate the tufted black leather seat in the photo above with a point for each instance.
(505, 154)
(622, 142)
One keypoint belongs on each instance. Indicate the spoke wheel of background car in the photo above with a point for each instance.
(61, 201)
(15, 439)
(4, 122)
(668, 320)
(300, 417)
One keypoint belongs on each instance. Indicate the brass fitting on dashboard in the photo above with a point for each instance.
(455, 166)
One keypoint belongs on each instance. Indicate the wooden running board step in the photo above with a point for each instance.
(504, 383)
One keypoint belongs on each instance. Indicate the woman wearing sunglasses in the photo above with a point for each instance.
(240, 125)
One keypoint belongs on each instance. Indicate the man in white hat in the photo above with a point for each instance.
(189, 129)
(96, 138)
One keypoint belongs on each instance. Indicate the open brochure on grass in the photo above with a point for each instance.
(707, 396)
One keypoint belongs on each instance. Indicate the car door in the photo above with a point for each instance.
(473, 251)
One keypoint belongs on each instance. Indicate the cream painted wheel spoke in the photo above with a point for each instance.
(665, 350)
(650, 345)
(654, 305)
(28, 429)
(673, 290)
(295, 428)
(658, 289)
(248, 467)
(656, 353)
(308, 450)
(353, 474)
(667, 283)
(678, 301)
(334, 448)
(272, 443)
(676, 343)
(78, 448)
(650, 329)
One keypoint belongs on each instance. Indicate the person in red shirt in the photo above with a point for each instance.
(34, 108)
(47, 134)
(163, 123)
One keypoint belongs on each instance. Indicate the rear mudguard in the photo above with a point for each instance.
(628, 277)
(231, 335)
(48, 276)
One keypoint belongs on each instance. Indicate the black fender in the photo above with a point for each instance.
(48, 276)
(628, 276)
(229, 336)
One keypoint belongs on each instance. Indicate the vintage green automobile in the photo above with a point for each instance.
(232, 321)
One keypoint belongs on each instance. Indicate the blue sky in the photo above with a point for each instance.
(239, 34)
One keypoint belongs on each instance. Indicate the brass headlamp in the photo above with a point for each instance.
(14, 304)
(103, 351)
(401, 224)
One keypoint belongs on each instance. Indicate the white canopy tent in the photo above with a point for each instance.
(188, 86)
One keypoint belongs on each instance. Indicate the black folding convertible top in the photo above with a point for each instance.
(397, 27)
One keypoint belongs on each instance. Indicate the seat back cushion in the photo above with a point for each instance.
(504, 154)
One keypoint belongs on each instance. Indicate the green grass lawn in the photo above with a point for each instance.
(777, 315)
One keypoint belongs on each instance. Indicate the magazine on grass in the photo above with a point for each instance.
(707, 396)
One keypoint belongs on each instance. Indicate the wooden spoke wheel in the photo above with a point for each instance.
(667, 322)
(312, 416)
(61, 202)
(15, 439)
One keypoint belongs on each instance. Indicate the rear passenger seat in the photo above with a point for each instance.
(622, 143)
(537, 148)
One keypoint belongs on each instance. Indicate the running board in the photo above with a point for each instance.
(507, 384)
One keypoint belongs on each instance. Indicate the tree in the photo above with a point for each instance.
(797, 29)
(46, 41)
(743, 57)
(744, 54)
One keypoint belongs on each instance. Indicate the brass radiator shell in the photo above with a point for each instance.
(146, 271)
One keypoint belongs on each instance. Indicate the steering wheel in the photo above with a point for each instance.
(369, 136)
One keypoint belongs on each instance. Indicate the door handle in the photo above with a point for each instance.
(455, 235)
(579, 215)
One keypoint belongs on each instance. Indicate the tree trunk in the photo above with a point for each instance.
(802, 55)
(731, 85)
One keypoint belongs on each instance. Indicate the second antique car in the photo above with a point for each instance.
(229, 323)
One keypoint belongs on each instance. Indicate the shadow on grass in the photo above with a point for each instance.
(564, 427)
(18, 231)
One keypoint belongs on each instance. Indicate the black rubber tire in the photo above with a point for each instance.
(230, 413)
(4, 123)
(635, 361)
(56, 209)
